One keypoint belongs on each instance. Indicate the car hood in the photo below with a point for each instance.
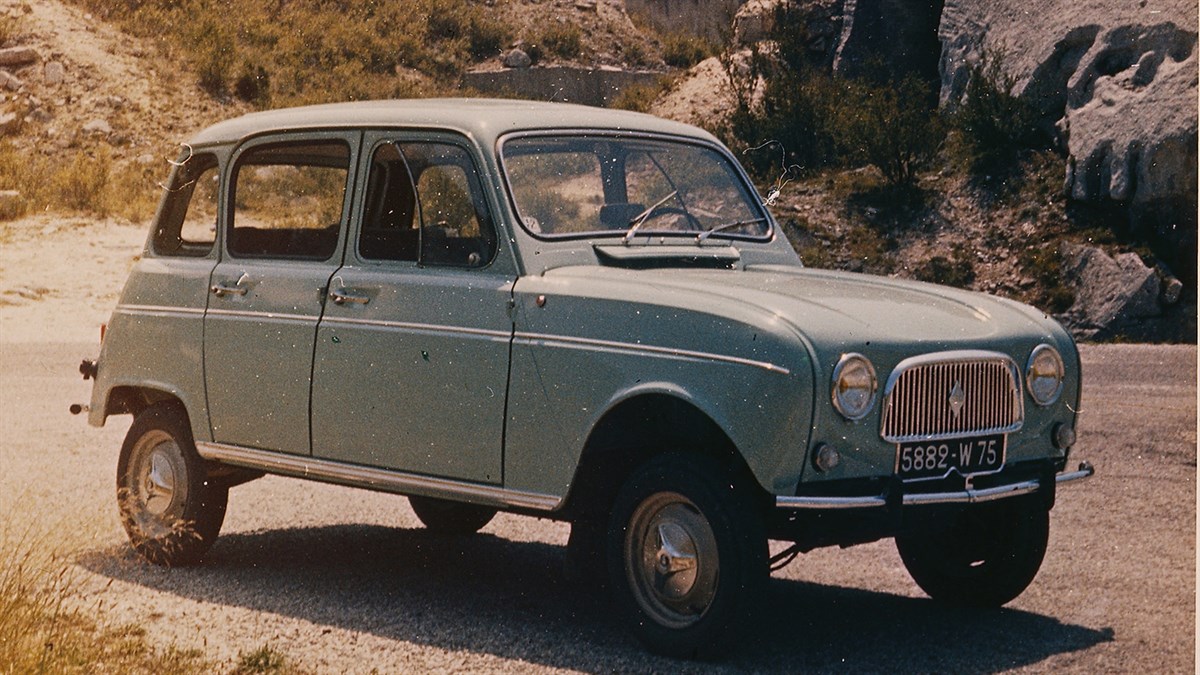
(839, 311)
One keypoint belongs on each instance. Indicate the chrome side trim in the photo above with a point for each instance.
(157, 310)
(829, 503)
(280, 316)
(969, 496)
(416, 327)
(668, 352)
(373, 478)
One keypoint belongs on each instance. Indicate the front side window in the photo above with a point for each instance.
(425, 204)
(288, 200)
(188, 225)
(592, 185)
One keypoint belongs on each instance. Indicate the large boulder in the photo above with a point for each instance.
(1117, 78)
(1113, 295)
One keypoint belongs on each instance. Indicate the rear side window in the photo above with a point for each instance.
(288, 199)
(425, 204)
(188, 224)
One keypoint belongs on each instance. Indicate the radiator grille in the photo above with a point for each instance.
(944, 396)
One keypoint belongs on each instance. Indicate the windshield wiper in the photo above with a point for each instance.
(725, 226)
(640, 219)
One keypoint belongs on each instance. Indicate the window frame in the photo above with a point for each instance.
(167, 239)
(349, 139)
(738, 172)
(485, 208)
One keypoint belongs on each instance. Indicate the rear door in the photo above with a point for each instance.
(412, 354)
(287, 205)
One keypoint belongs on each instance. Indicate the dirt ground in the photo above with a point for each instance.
(346, 581)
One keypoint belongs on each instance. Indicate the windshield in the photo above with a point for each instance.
(628, 187)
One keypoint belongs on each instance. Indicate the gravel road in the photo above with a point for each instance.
(346, 581)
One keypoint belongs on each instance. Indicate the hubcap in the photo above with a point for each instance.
(158, 484)
(156, 487)
(671, 559)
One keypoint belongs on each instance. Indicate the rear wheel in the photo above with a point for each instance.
(687, 556)
(441, 515)
(170, 509)
(987, 556)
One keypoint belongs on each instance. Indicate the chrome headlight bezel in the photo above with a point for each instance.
(854, 374)
(1045, 375)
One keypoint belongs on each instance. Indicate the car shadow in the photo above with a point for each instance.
(490, 595)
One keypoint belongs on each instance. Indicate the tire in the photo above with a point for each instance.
(988, 556)
(687, 556)
(447, 517)
(170, 510)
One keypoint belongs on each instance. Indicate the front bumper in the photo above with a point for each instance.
(965, 496)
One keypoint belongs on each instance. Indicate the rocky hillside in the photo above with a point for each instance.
(1080, 231)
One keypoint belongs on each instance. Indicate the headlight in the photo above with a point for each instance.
(854, 386)
(1044, 375)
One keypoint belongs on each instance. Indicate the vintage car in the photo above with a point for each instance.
(576, 314)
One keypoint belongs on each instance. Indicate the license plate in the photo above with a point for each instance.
(925, 460)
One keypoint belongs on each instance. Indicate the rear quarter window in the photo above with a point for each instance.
(187, 224)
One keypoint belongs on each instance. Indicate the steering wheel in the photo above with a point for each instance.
(660, 211)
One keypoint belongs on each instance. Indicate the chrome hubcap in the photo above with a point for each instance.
(158, 483)
(671, 559)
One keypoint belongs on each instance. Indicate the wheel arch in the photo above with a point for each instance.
(639, 427)
(132, 399)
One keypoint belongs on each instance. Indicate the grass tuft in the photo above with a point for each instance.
(42, 630)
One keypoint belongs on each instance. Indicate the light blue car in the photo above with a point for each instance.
(577, 314)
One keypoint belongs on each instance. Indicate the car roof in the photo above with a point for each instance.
(484, 119)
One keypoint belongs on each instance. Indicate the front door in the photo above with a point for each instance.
(286, 214)
(411, 360)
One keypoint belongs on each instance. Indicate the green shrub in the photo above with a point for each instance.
(995, 125)
(562, 40)
(889, 126)
(253, 85)
(1044, 264)
(486, 37)
(685, 51)
(638, 97)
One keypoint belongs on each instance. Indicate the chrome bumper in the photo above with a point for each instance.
(968, 496)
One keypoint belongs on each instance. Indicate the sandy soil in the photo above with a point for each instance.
(342, 580)
(60, 276)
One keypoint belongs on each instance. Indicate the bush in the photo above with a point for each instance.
(889, 127)
(956, 270)
(685, 51)
(562, 40)
(790, 123)
(253, 85)
(994, 124)
(638, 97)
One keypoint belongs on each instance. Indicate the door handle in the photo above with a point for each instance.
(222, 290)
(341, 297)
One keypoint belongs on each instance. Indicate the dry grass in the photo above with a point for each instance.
(89, 181)
(43, 630)
(46, 627)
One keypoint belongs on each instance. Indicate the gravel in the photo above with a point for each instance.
(344, 580)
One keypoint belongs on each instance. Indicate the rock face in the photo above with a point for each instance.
(1113, 296)
(1118, 79)
(710, 18)
(899, 34)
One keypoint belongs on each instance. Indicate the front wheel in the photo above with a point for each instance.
(447, 517)
(687, 556)
(986, 557)
(170, 509)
